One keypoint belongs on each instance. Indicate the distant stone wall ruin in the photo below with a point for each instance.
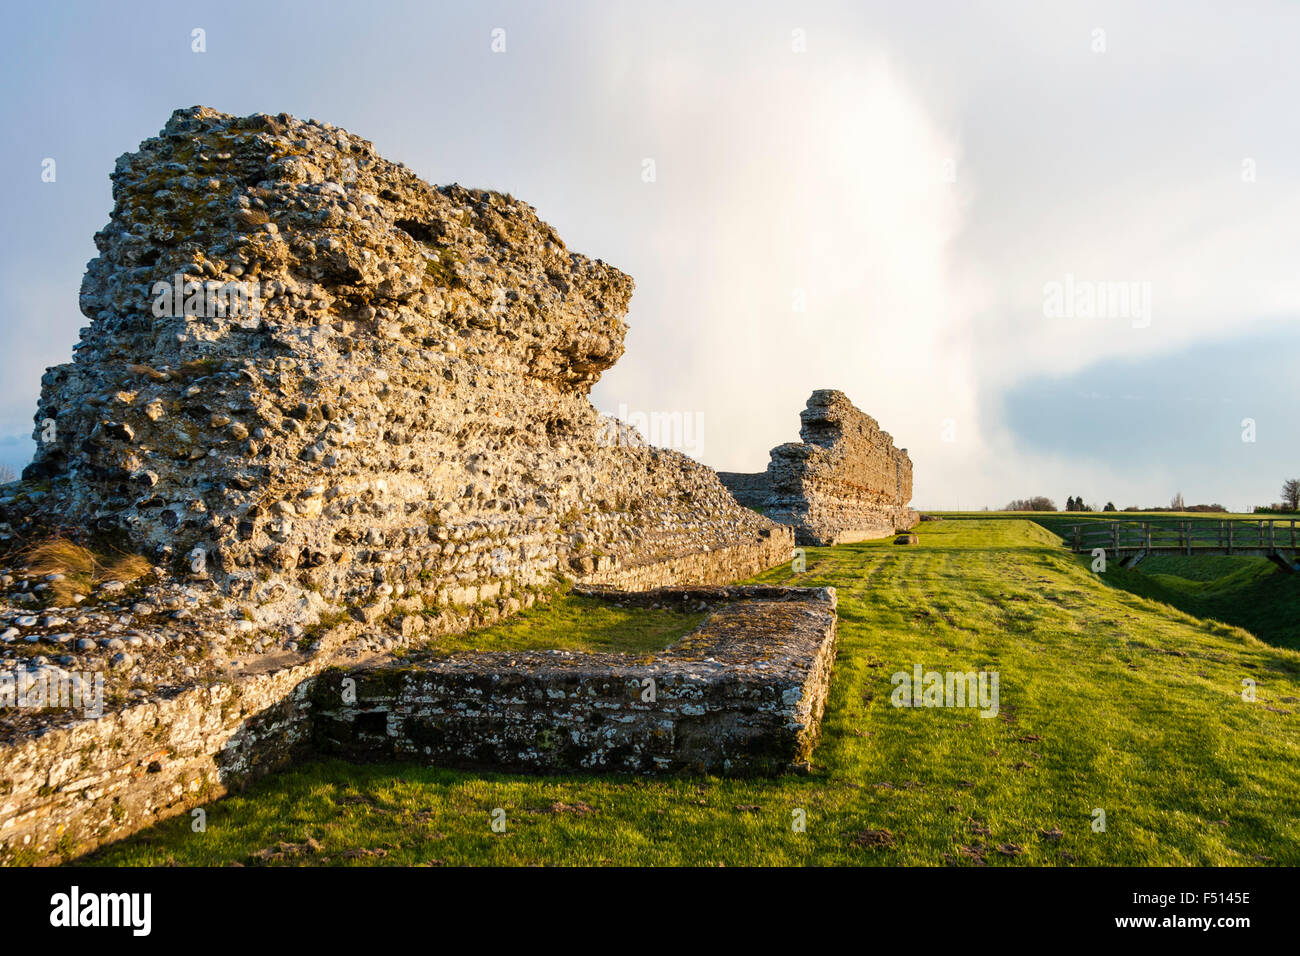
(844, 482)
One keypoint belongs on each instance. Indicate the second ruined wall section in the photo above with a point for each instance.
(846, 481)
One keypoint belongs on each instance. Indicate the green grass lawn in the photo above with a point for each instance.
(575, 623)
(1252, 593)
(1249, 592)
(1108, 701)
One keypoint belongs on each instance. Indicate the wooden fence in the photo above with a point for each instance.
(1228, 536)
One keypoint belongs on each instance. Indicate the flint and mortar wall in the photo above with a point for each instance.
(744, 694)
(407, 411)
(71, 789)
(844, 482)
(729, 563)
(403, 425)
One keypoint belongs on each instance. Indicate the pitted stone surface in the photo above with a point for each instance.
(406, 413)
(742, 694)
(399, 434)
(845, 482)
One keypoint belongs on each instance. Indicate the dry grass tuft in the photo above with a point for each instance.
(61, 556)
(82, 568)
(150, 372)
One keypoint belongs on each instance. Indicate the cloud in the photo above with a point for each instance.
(797, 236)
(780, 176)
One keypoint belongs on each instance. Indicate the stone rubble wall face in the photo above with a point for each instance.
(408, 413)
(78, 787)
(544, 722)
(844, 482)
(73, 788)
(742, 695)
(732, 563)
(403, 425)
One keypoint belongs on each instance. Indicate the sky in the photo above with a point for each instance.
(1051, 248)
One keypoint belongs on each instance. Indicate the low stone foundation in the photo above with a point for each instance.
(71, 789)
(742, 694)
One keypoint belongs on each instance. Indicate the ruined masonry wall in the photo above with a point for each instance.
(406, 413)
(74, 788)
(844, 482)
(743, 694)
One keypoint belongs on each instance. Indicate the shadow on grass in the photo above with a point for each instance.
(1246, 592)
(1256, 595)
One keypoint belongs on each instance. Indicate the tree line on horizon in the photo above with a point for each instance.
(1290, 503)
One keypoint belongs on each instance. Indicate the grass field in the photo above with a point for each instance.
(1108, 701)
(1249, 592)
(574, 623)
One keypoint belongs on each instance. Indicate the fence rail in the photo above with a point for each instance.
(1222, 537)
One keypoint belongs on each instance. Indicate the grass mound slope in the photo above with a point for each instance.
(1249, 592)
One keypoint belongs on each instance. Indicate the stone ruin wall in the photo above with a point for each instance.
(844, 482)
(741, 695)
(732, 705)
(400, 429)
(80, 786)
(406, 414)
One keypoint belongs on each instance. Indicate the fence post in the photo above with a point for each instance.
(1188, 525)
(1230, 537)
(1272, 539)
(1076, 537)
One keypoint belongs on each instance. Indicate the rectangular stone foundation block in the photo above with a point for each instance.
(743, 694)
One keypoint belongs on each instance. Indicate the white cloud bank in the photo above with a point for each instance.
(822, 175)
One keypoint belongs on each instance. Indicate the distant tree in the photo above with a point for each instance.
(1291, 493)
(1176, 502)
(1110, 506)
(1069, 503)
(1036, 503)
